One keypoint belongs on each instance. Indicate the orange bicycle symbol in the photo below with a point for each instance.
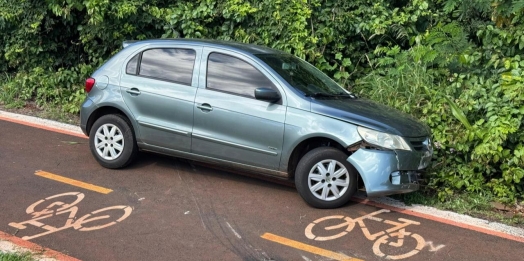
(59, 207)
(387, 237)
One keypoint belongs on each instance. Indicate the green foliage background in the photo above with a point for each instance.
(455, 64)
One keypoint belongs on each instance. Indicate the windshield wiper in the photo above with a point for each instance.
(323, 94)
(320, 94)
(348, 95)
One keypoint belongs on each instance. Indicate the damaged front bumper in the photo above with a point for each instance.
(386, 172)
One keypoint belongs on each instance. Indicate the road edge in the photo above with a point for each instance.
(430, 213)
(40, 123)
(36, 249)
(447, 221)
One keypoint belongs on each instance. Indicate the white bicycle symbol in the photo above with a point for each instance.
(386, 237)
(59, 208)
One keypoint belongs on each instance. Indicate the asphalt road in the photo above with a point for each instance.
(163, 208)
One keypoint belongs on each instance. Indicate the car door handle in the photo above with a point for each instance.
(133, 91)
(205, 107)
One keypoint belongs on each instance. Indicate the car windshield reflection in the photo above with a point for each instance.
(303, 76)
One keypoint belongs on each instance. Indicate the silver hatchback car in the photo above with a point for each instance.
(254, 109)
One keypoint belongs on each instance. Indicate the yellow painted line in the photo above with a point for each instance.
(308, 248)
(73, 182)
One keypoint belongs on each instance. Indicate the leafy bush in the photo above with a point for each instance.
(470, 95)
(63, 87)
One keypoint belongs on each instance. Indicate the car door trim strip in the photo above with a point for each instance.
(202, 137)
(154, 126)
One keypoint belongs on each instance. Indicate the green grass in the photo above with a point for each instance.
(7, 95)
(25, 256)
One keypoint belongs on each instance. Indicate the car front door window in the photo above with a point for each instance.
(232, 75)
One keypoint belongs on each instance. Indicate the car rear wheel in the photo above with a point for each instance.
(112, 141)
(324, 179)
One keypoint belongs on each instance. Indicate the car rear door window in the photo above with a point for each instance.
(132, 65)
(229, 74)
(169, 64)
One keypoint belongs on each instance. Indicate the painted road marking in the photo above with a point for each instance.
(73, 182)
(387, 237)
(488, 231)
(58, 207)
(308, 248)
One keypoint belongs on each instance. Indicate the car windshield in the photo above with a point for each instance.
(303, 76)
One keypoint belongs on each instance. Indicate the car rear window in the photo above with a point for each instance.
(169, 64)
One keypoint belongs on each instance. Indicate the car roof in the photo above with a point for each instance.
(248, 48)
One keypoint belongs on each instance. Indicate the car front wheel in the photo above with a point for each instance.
(112, 141)
(324, 179)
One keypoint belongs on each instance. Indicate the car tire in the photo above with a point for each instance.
(323, 172)
(112, 141)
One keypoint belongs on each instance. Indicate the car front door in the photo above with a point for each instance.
(229, 123)
(159, 87)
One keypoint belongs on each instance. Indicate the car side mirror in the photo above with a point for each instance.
(267, 94)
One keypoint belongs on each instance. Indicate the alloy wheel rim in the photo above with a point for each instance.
(328, 180)
(109, 141)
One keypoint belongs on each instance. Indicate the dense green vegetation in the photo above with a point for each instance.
(455, 64)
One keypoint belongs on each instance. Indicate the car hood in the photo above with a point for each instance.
(370, 114)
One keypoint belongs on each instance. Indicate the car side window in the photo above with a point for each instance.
(169, 64)
(132, 65)
(232, 75)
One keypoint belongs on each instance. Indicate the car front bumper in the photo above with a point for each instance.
(389, 172)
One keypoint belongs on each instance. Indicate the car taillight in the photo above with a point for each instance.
(90, 82)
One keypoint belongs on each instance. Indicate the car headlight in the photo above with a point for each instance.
(384, 140)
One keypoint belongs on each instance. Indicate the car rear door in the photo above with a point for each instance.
(159, 87)
(229, 123)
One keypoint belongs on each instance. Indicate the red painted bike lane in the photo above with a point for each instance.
(163, 208)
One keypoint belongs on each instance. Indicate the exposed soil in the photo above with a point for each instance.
(509, 211)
